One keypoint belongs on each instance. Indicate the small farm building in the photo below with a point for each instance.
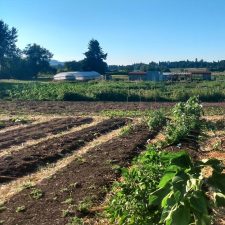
(188, 74)
(145, 76)
(77, 76)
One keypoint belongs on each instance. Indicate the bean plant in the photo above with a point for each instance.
(185, 119)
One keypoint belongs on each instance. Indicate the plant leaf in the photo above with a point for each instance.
(219, 199)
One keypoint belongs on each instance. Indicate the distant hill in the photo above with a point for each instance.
(56, 63)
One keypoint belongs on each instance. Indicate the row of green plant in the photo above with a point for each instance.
(112, 91)
(184, 118)
(169, 188)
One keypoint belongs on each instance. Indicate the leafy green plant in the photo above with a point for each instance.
(129, 201)
(155, 119)
(36, 193)
(181, 194)
(185, 118)
(168, 188)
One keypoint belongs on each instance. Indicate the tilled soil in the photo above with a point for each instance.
(28, 159)
(84, 180)
(40, 130)
(10, 123)
(59, 107)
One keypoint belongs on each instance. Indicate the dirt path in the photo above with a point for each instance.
(37, 131)
(30, 158)
(82, 184)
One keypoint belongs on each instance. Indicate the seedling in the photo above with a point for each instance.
(28, 185)
(75, 221)
(68, 201)
(20, 208)
(84, 206)
(65, 212)
(36, 193)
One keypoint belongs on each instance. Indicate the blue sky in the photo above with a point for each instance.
(128, 30)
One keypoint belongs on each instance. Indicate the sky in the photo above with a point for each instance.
(130, 31)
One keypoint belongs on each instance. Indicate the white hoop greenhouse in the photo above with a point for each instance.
(76, 75)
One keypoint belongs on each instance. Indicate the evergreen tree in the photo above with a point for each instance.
(95, 58)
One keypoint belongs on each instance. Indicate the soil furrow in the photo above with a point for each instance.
(38, 131)
(83, 181)
(10, 123)
(30, 158)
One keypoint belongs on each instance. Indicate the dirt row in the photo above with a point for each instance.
(28, 159)
(81, 185)
(10, 123)
(40, 130)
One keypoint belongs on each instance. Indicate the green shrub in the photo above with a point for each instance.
(185, 118)
(129, 201)
(155, 119)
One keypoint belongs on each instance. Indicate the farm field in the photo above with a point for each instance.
(120, 91)
(60, 161)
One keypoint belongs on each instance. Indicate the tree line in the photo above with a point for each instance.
(166, 66)
(28, 63)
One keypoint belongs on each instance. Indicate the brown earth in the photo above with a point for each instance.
(84, 181)
(59, 107)
(40, 130)
(10, 123)
(28, 159)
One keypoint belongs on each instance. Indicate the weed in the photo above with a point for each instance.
(28, 185)
(126, 130)
(84, 205)
(20, 208)
(64, 190)
(36, 193)
(68, 201)
(66, 212)
(75, 221)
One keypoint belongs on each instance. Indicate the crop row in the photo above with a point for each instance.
(170, 187)
(113, 91)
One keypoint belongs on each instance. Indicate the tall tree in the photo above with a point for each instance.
(95, 58)
(8, 49)
(37, 59)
